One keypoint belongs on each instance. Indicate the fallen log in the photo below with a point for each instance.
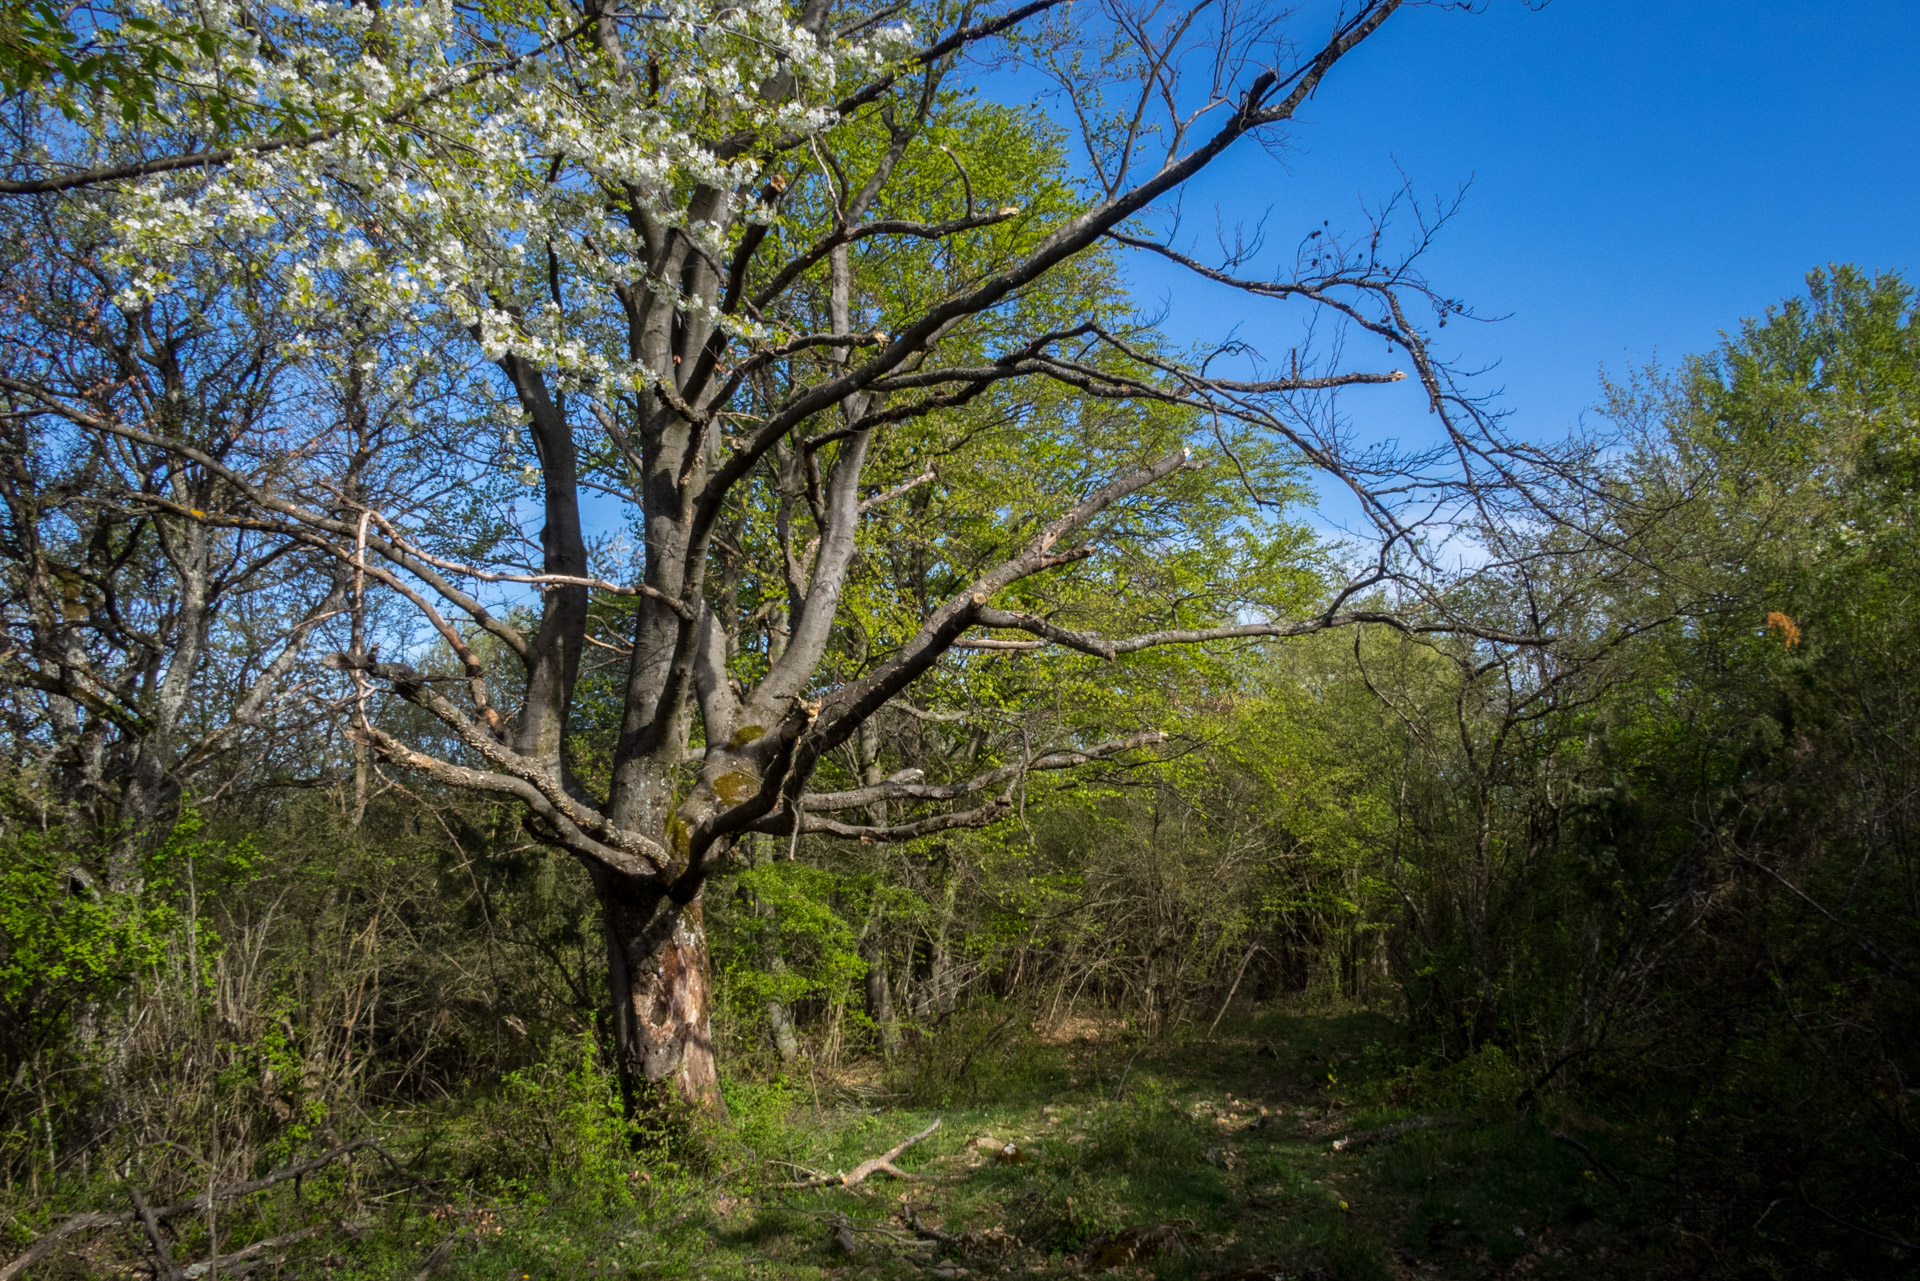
(78, 1223)
(932, 1234)
(1561, 1136)
(162, 1257)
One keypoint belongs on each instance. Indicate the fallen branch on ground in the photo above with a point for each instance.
(162, 1257)
(251, 1256)
(892, 1236)
(1367, 1138)
(872, 1165)
(932, 1234)
(91, 1219)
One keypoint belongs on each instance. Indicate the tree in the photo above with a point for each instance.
(724, 263)
(147, 652)
(251, 87)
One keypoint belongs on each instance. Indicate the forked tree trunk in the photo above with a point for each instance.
(662, 994)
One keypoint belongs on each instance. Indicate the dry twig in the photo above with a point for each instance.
(1367, 1138)
(885, 1161)
(251, 1256)
(151, 1218)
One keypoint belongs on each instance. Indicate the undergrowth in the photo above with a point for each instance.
(1109, 1153)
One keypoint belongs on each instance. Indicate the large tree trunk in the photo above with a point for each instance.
(662, 994)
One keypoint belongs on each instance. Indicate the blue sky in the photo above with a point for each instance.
(1644, 173)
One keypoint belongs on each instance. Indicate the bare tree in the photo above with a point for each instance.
(147, 650)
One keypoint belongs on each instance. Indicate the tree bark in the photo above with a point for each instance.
(880, 997)
(657, 970)
(780, 1026)
(942, 990)
(786, 1041)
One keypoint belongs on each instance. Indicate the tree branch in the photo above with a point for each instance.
(223, 155)
(872, 1165)
(1101, 647)
(568, 813)
(520, 789)
(907, 785)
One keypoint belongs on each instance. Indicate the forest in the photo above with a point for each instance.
(627, 652)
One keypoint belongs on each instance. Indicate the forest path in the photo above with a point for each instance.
(1206, 1159)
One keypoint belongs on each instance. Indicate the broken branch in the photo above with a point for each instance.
(91, 1219)
(872, 1165)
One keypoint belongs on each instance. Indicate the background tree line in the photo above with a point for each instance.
(1672, 878)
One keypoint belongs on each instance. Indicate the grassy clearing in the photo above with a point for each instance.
(1200, 1160)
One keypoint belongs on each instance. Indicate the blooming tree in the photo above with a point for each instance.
(721, 260)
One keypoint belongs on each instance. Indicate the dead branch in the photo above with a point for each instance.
(1367, 1138)
(907, 785)
(1238, 975)
(1101, 647)
(871, 1165)
(1561, 1136)
(868, 834)
(934, 1234)
(250, 1256)
(162, 1257)
(78, 1223)
(90, 1219)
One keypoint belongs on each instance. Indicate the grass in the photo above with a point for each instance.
(1199, 1160)
(1195, 1159)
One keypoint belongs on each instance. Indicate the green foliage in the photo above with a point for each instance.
(1638, 917)
(785, 936)
(560, 1130)
(983, 1051)
(758, 1110)
(68, 940)
(1691, 893)
(63, 51)
(798, 917)
(104, 65)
